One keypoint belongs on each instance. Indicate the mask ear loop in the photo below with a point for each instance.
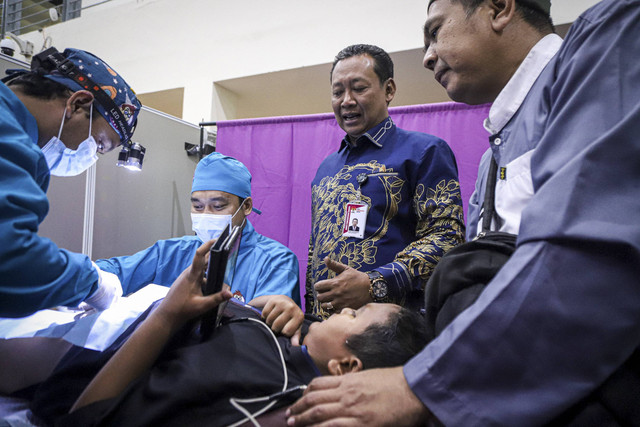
(238, 210)
(90, 119)
(64, 113)
(233, 216)
(244, 221)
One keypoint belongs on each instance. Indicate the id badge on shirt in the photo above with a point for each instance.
(355, 219)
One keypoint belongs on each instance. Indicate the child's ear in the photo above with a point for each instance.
(344, 365)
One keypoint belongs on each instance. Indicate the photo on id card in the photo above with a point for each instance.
(355, 219)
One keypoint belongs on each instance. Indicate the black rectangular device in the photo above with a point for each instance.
(222, 263)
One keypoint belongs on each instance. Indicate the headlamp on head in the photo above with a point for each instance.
(115, 100)
(131, 156)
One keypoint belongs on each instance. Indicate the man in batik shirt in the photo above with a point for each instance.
(402, 187)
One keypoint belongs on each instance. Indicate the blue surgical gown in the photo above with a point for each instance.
(263, 267)
(34, 272)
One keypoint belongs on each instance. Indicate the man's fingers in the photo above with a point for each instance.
(293, 323)
(326, 382)
(318, 415)
(277, 323)
(335, 266)
(271, 313)
(284, 322)
(317, 404)
(322, 287)
(290, 328)
(266, 311)
(320, 390)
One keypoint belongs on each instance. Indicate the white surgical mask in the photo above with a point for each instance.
(211, 226)
(63, 161)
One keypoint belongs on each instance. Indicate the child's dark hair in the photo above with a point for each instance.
(392, 343)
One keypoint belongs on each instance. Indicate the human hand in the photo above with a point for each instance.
(185, 300)
(282, 314)
(108, 292)
(374, 397)
(349, 288)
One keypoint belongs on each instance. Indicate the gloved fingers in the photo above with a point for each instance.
(108, 292)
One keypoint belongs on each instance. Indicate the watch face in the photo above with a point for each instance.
(379, 289)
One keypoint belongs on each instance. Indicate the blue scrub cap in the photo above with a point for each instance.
(81, 70)
(217, 172)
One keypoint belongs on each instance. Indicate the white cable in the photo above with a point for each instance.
(249, 416)
(236, 402)
(89, 211)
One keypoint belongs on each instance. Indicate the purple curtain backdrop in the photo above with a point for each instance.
(283, 153)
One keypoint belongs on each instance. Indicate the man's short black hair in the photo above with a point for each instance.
(531, 13)
(383, 65)
(392, 343)
(536, 17)
(37, 86)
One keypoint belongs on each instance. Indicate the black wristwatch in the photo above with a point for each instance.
(378, 286)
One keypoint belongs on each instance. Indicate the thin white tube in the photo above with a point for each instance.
(89, 209)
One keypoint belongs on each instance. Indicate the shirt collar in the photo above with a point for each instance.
(513, 94)
(248, 238)
(374, 135)
(309, 360)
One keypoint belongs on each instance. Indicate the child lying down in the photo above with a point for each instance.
(161, 372)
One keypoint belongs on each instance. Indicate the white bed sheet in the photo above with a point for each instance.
(95, 330)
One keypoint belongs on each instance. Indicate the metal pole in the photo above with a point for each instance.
(202, 136)
(201, 143)
(4, 18)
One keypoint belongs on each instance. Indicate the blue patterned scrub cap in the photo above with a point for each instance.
(81, 70)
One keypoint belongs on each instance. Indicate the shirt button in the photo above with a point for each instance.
(497, 141)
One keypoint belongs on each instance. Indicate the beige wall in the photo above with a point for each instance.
(250, 58)
(168, 101)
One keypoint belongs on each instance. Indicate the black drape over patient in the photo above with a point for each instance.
(190, 383)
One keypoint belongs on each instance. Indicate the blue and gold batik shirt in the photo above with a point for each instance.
(409, 180)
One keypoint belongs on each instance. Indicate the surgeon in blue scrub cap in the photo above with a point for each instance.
(220, 196)
(225, 203)
(54, 120)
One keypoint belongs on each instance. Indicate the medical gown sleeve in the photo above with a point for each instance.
(563, 314)
(160, 263)
(34, 272)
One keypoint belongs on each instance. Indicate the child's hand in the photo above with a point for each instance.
(280, 312)
(185, 300)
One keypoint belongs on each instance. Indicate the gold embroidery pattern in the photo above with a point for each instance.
(440, 225)
(328, 201)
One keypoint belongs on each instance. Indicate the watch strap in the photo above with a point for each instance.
(375, 277)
